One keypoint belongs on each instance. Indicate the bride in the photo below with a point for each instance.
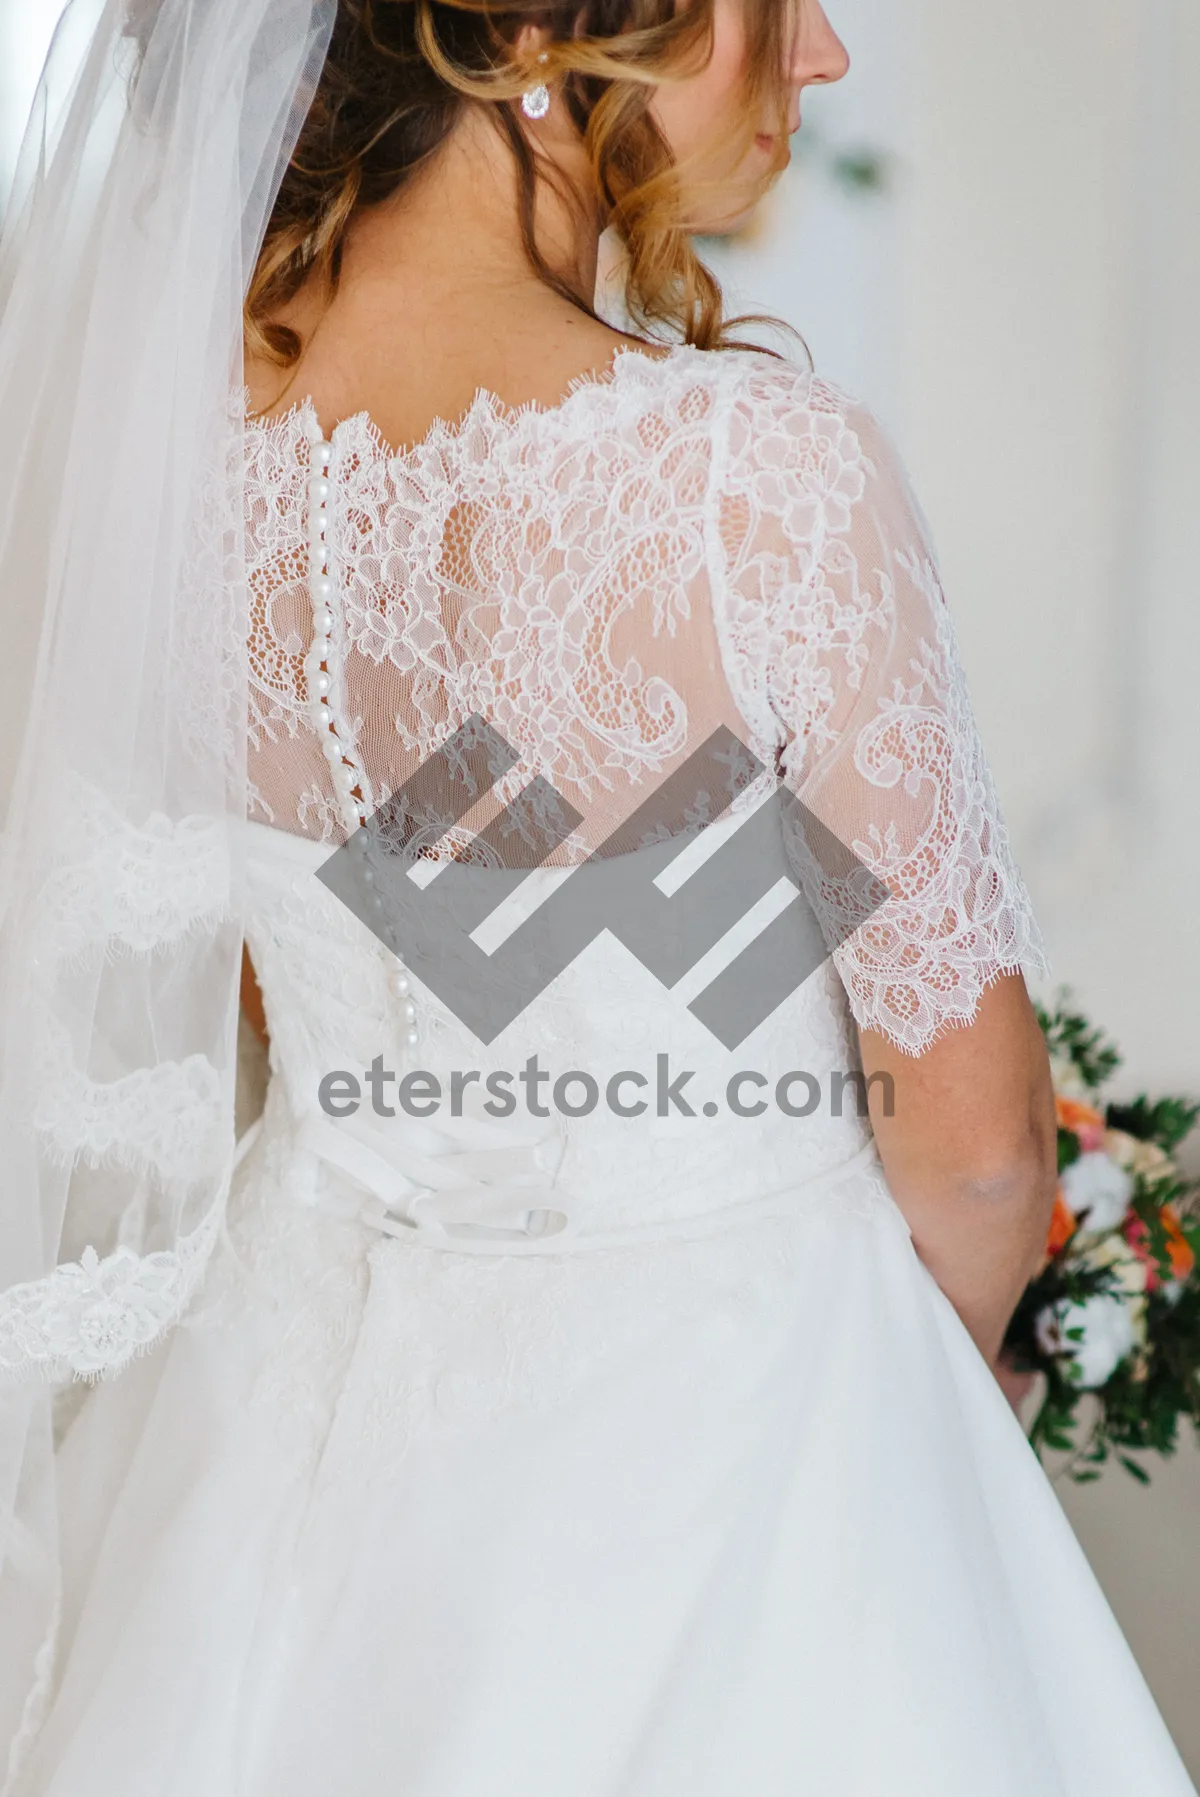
(578, 1383)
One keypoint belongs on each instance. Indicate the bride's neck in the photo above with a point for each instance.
(436, 296)
(455, 228)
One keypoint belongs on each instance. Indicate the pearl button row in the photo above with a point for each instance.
(345, 770)
(399, 984)
(349, 779)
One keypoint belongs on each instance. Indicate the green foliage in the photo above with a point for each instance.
(1070, 1035)
(1068, 1148)
(1166, 1122)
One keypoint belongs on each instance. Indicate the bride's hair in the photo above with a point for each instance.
(396, 79)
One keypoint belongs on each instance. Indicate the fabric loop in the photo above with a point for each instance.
(479, 1201)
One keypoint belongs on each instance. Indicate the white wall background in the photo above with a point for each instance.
(1019, 305)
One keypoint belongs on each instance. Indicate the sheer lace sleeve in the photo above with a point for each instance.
(844, 664)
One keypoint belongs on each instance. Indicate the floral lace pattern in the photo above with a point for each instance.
(92, 1315)
(538, 568)
(168, 1117)
(134, 887)
(840, 645)
(697, 540)
(159, 890)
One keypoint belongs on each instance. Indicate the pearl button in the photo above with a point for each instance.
(349, 781)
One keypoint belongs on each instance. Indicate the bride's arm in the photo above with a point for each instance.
(970, 1152)
(898, 771)
(895, 769)
(843, 650)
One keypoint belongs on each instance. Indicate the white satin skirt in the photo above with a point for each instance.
(738, 1516)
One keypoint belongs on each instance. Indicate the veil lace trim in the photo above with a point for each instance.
(90, 1317)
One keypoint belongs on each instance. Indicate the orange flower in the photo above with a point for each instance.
(1087, 1123)
(1062, 1225)
(1179, 1249)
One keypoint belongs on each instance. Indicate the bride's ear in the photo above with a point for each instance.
(530, 42)
(531, 53)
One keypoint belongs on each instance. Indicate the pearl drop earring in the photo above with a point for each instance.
(535, 101)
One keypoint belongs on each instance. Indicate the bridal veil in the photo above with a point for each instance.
(150, 164)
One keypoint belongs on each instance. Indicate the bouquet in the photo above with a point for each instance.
(1113, 1313)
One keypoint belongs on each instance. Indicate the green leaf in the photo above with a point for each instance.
(1069, 1034)
(1068, 1147)
(1166, 1122)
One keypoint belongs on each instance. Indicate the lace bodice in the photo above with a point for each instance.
(691, 541)
(698, 541)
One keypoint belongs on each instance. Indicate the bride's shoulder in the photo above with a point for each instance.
(771, 407)
(750, 376)
(791, 445)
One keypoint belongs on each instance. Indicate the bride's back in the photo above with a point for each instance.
(471, 499)
(547, 568)
(485, 554)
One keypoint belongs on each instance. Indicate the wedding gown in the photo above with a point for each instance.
(709, 1493)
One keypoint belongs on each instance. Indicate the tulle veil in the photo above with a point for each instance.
(151, 160)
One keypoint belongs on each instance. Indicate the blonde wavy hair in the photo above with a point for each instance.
(396, 79)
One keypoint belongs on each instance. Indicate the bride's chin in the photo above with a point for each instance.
(729, 225)
(736, 218)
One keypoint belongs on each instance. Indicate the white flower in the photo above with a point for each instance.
(1145, 1160)
(1068, 1081)
(1113, 1251)
(1106, 1336)
(1129, 1269)
(1095, 1184)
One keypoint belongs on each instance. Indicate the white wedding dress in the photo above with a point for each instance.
(710, 1494)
